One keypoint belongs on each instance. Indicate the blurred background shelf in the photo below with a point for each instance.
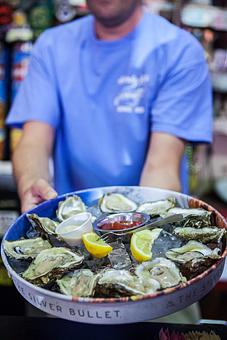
(204, 16)
(219, 81)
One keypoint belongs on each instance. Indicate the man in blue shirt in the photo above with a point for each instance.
(114, 97)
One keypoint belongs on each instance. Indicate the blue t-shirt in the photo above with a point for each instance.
(105, 98)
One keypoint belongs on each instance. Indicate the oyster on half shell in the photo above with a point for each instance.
(44, 225)
(192, 251)
(79, 283)
(197, 218)
(162, 270)
(71, 206)
(157, 208)
(205, 235)
(26, 248)
(51, 264)
(115, 283)
(115, 202)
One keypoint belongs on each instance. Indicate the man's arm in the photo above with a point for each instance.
(31, 164)
(162, 166)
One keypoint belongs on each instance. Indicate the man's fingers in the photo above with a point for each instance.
(43, 189)
(29, 201)
(40, 191)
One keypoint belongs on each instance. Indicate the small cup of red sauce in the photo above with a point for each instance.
(121, 222)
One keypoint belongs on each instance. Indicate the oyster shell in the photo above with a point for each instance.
(114, 202)
(162, 270)
(115, 283)
(157, 208)
(51, 264)
(192, 251)
(25, 249)
(71, 206)
(197, 218)
(205, 235)
(45, 225)
(78, 283)
(195, 267)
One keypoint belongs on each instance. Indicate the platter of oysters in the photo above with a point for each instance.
(116, 254)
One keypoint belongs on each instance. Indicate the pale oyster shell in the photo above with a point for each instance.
(197, 218)
(192, 251)
(115, 202)
(26, 248)
(71, 206)
(51, 264)
(120, 280)
(205, 235)
(162, 270)
(189, 212)
(80, 283)
(43, 224)
(157, 208)
(113, 282)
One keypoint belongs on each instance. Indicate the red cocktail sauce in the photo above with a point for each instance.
(119, 225)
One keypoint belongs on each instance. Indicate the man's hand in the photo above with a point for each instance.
(37, 192)
(31, 164)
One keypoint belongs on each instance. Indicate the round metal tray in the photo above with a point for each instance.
(116, 310)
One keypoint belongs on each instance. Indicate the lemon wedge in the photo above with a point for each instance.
(141, 244)
(95, 246)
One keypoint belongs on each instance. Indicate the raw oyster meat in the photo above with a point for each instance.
(117, 283)
(113, 282)
(157, 208)
(205, 235)
(149, 284)
(189, 212)
(45, 225)
(116, 202)
(26, 248)
(192, 251)
(78, 283)
(71, 206)
(51, 264)
(197, 218)
(162, 270)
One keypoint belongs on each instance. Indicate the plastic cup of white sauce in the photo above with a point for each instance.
(72, 229)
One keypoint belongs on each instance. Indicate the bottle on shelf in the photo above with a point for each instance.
(6, 14)
(20, 37)
(3, 97)
(41, 16)
(64, 12)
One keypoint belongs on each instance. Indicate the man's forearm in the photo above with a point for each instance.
(31, 157)
(30, 163)
(160, 178)
(162, 165)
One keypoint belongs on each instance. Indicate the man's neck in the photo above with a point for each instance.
(114, 33)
